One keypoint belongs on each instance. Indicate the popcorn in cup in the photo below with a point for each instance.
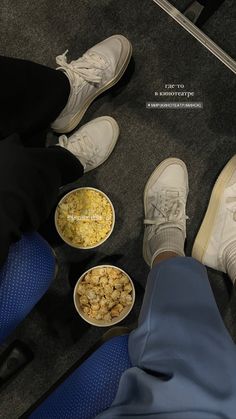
(104, 295)
(85, 218)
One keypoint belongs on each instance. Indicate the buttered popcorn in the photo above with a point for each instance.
(104, 293)
(85, 217)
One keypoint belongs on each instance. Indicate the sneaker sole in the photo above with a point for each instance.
(79, 115)
(204, 234)
(154, 176)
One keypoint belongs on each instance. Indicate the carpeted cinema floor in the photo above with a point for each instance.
(205, 139)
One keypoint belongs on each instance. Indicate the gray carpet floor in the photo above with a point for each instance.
(205, 139)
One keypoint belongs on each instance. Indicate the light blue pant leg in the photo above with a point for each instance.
(181, 334)
(184, 360)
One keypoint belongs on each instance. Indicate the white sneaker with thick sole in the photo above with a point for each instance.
(218, 228)
(97, 70)
(165, 197)
(93, 143)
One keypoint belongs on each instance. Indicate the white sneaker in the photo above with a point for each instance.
(93, 143)
(165, 197)
(218, 228)
(96, 71)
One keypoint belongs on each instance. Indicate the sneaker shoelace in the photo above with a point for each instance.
(82, 147)
(170, 208)
(89, 68)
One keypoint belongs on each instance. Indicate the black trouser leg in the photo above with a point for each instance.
(32, 96)
(29, 184)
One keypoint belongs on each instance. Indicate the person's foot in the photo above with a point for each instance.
(165, 197)
(93, 143)
(97, 70)
(215, 244)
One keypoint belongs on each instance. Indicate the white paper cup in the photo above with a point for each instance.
(68, 241)
(103, 323)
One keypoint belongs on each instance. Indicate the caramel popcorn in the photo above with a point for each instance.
(85, 218)
(104, 293)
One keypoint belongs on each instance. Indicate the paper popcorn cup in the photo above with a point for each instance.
(85, 218)
(102, 322)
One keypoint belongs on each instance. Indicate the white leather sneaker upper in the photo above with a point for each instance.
(224, 227)
(89, 75)
(111, 50)
(218, 228)
(165, 198)
(92, 143)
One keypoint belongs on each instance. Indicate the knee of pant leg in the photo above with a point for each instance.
(178, 267)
